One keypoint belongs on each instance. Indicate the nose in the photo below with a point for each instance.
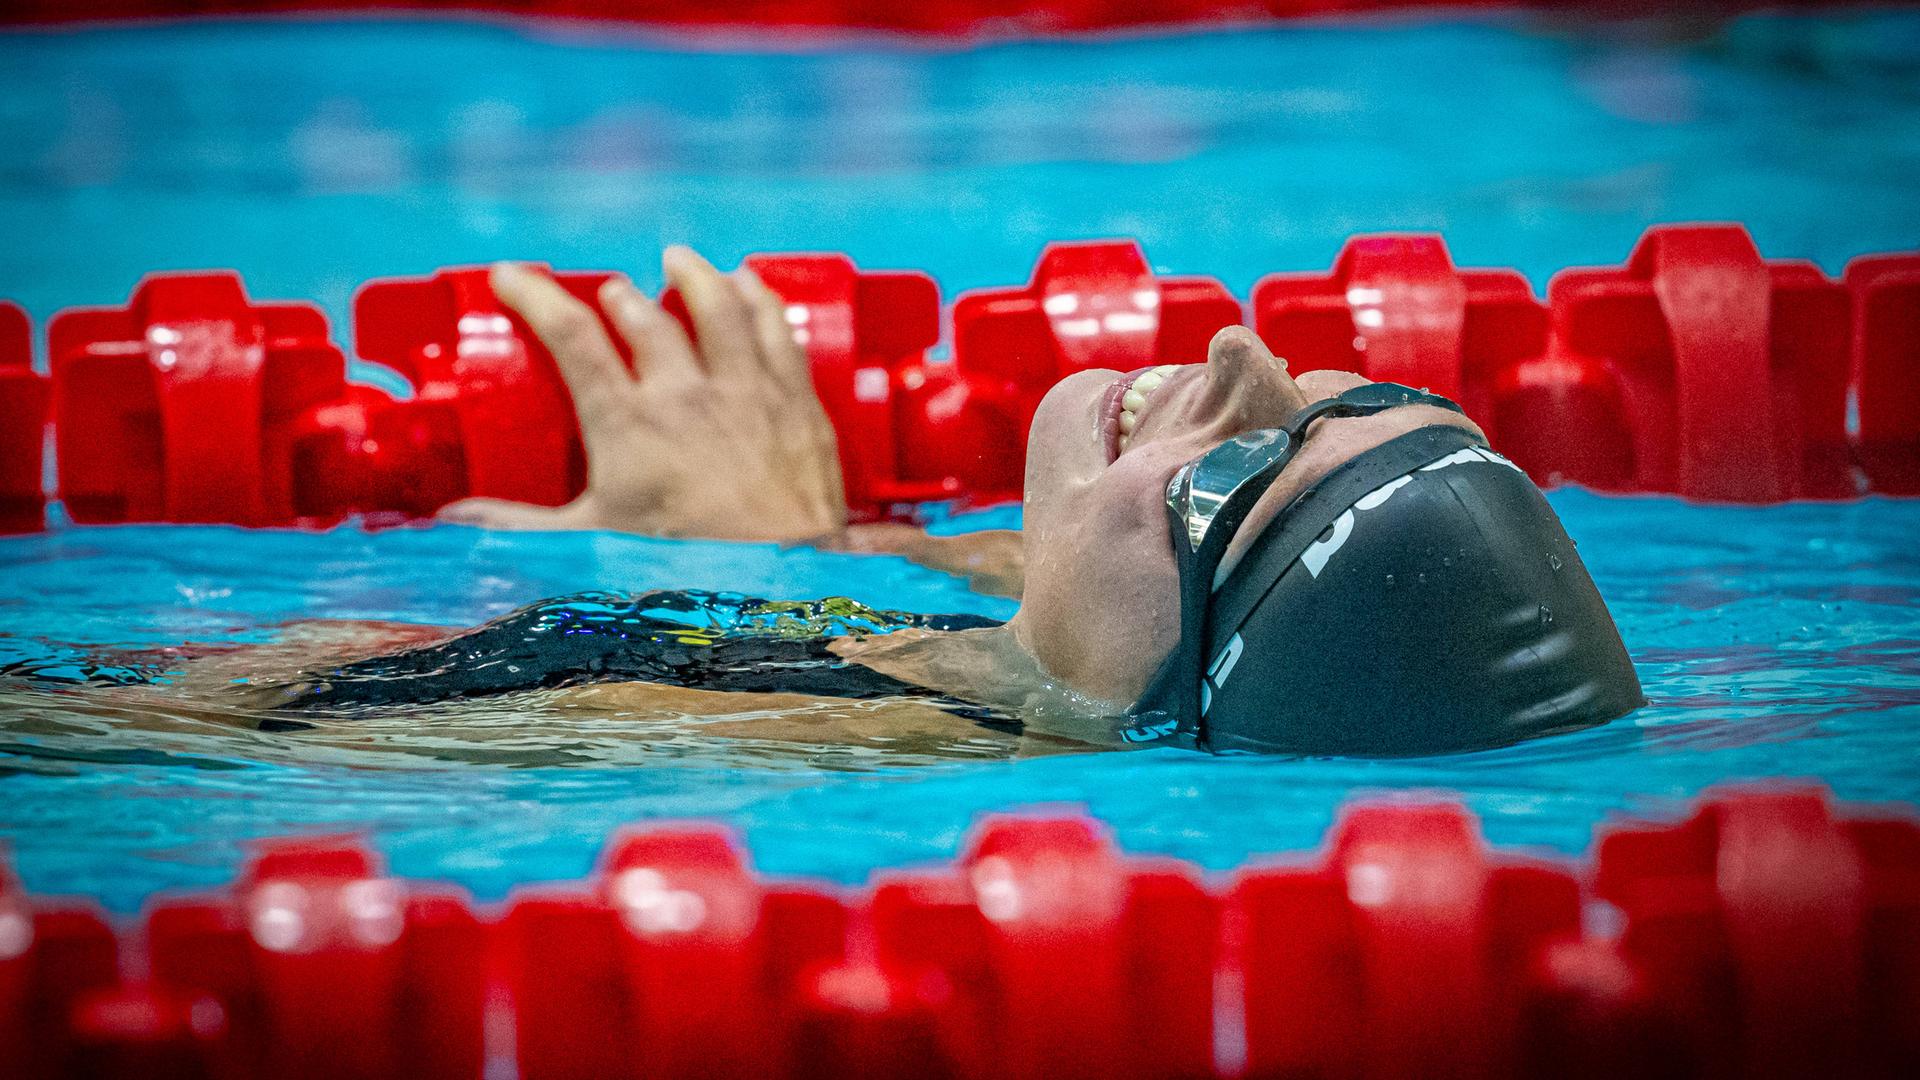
(1244, 375)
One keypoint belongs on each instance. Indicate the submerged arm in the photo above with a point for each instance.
(993, 561)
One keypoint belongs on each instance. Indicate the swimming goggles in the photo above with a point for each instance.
(1208, 500)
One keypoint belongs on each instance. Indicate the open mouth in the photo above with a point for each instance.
(1125, 405)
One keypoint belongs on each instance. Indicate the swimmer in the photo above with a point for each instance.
(1219, 555)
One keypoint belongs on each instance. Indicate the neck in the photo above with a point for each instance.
(988, 667)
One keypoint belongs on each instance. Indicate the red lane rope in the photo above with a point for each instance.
(1765, 935)
(1696, 368)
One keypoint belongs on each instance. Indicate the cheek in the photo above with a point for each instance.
(1101, 608)
(1065, 451)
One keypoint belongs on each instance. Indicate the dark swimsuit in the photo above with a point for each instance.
(693, 639)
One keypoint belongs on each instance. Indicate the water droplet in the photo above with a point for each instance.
(1423, 579)
(1546, 615)
(1554, 562)
(1446, 561)
(1389, 581)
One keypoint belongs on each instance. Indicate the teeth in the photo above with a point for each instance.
(1135, 399)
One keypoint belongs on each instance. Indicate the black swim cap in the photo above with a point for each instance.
(1420, 598)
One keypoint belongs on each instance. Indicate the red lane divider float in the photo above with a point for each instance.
(1697, 368)
(313, 942)
(676, 960)
(490, 415)
(1886, 358)
(1781, 940)
(1058, 956)
(1089, 305)
(1403, 954)
(23, 426)
(53, 955)
(1733, 370)
(183, 405)
(1765, 936)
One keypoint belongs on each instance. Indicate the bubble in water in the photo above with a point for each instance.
(1446, 560)
(1546, 615)
(1389, 581)
(1553, 561)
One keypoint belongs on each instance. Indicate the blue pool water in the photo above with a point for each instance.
(314, 155)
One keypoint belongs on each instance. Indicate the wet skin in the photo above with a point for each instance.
(1100, 607)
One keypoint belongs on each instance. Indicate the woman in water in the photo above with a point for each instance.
(1218, 555)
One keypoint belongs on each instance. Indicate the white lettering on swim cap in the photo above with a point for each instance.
(1458, 457)
(1318, 552)
(1218, 671)
(1382, 493)
(1498, 460)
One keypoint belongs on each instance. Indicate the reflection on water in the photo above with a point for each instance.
(54, 731)
(197, 706)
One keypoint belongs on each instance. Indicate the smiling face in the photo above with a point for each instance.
(1101, 607)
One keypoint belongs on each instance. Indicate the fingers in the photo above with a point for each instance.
(660, 346)
(785, 358)
(786, 361)
(720, 317)
(569, 329)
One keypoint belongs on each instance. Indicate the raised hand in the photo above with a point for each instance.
(724, 440)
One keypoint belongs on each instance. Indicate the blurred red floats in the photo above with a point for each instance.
(53, 955)
(312, 942)
(23, 426)
(1059, 957)
(1886, 357)
(941, 17)
(1697, 368)
(676, 960)
(1780, 941)
(1403, 954)
(1765, 936)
